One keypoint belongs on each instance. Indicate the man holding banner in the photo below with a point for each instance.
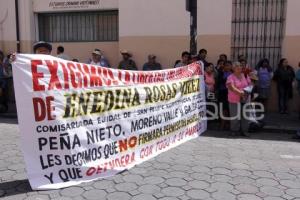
(40, 47)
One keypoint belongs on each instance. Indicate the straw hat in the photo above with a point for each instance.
(97, 52)
(125, 52)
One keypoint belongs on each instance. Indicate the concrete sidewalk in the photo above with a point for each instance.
(208, 167)
(282, 122)
(274, 122)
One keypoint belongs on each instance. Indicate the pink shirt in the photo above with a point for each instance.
(239, 84)
(210, 81)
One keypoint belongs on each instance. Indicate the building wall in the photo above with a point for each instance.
(139, 32)
(152, 27)
(7, 26)
(291, 43)
(169, 30)
(28, 33)
(82, 50)
(214, 27)
(27, 25)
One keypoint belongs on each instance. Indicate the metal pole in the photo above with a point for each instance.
(17, 25)
(193, 26)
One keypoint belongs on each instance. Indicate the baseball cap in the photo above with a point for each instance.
(42, 44)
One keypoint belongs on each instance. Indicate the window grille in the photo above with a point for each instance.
(79, 26)
(257, 30)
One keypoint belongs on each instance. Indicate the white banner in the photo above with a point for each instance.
(80, 122)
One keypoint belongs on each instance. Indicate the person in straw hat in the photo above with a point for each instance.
(98, 59)
(127, 63)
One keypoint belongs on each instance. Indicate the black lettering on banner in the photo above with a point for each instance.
(157, 133)
(150, 135)
(148, 95)
(163, 93)
(96, 108)
(172, 114)
(110, 149)
(70, 104)
(190, 86)
(84, 157)
(155, 94)
(174, 87)
(109, 118)
(146, 122)
(109, 100)
(190, 108)
(98, 102)
(100, 134)
(50, 177)
(64, 141)
(50, 160)
(83, 103)
(142, 111)
(63, 127)
(151, 109)
(126, 114)
(69, 174)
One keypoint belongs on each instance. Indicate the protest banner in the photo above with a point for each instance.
(80, 122)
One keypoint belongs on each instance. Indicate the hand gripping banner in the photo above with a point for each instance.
(80, 122)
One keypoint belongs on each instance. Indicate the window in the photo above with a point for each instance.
(257, 30)
(79, 26)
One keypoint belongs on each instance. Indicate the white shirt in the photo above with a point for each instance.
(63, 56)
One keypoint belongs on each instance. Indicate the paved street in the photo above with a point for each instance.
(266, 166)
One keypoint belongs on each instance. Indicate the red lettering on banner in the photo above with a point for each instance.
(107, 75)
(66, 76)
(120, 162)
(84, 73)
(146, 151)
(54, 80)
(95, 79)
(36, 75)
(78, 75)
(71, 67)
(127, 77)
(39, 109)
(49, 107)
(124, 144)
(42, 108)
(162, 144)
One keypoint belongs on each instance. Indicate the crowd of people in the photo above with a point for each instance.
(225, 82)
